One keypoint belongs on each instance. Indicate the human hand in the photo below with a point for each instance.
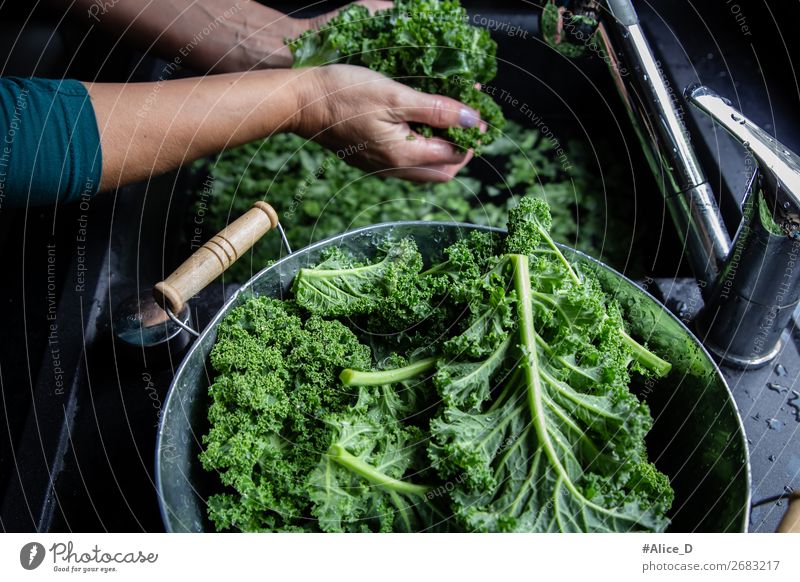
(364, 117)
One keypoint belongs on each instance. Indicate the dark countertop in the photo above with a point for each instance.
(768, 400)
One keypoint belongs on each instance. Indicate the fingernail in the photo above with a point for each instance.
(468, 117)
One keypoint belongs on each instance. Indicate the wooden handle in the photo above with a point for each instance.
(791, 519)
(210, 261)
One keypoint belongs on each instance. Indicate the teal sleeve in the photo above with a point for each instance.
(49, 142)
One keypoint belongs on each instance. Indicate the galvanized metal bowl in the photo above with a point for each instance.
(698, 438)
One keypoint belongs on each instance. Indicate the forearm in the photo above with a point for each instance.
(207, 35)
(150, 128)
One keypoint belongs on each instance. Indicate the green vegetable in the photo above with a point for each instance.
(356, 486)
(561, 445)
(557, 26)
(426, 44)
(332, 288)
(767, 217)
(351, 377)
(276, 382)
(513, 414)
(317, 195)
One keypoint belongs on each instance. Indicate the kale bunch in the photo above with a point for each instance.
(426, 44)
(275, 384)
(513, 414)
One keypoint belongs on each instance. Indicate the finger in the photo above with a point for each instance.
(436, 110)
(432, 173)
(427, 151)
(464, 162)
(374, 5)
(436, 174)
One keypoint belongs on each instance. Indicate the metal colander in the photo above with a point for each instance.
(697, 439)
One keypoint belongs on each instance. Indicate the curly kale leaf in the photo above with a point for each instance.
(528, 233)
(375, 474)
(367, 480)
(405, 308)
(539, 424)
(426, 44)
(341, 37)
(337, 288)
(275, 385)
(542, 454)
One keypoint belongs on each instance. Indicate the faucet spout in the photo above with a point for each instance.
(649, 100)
(752, 301)
(779, 166)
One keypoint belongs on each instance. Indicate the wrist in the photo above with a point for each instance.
(275, 97)
(308, 95)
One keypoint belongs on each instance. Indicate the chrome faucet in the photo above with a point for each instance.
(750, 286)
(758, 288)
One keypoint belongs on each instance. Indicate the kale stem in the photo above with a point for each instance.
(546, 236)
(437, 268)
(645, 357)
(350, 377)
(352, 463)
(530, 365)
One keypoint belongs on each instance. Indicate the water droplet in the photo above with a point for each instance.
(771, 458)
(736, 117)
(749, 441)
(774, 424)
(780, 503)
(777, 388)
(780, 370)
(792, 403)
(756, 416)
(787, 489)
